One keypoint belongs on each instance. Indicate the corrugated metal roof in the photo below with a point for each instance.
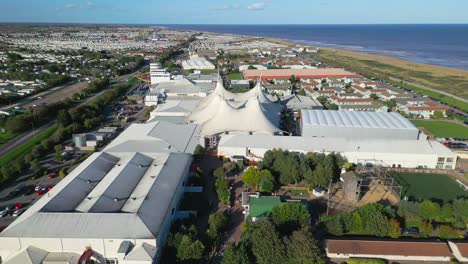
(153, 188)
(361, 119)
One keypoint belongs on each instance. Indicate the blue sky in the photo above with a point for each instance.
(235, 12)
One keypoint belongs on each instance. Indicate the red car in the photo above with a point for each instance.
(39, 192)
(18, 206)
(50, 187)
(52, 175)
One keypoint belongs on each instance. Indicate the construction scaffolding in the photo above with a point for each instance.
(370, 183)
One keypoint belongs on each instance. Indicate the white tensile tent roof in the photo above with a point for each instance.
(250, 118)
(224, 111)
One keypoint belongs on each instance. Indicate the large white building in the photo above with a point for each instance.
(224, 112)
(158, 74)
(387, 152)
(197, 63)
(358, 125)
(115, 207)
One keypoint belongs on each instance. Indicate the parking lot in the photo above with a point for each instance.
(22, 191)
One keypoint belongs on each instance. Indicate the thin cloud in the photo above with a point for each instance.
(227, 7)
(71, 6)
(256, 6)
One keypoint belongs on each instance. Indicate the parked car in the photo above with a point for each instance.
(50, 187)
(51, 175)
(39, 192)
(4, 213)
(17, 213)
(411, 231)
(19, 206)
(38, 187)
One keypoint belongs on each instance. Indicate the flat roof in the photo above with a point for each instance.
(130, 201)
(362, 119)
(315, 144)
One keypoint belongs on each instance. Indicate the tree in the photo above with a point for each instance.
(333, 107)
(35, 166)
(394, 229)
(255, 177)
(290, 214)
(302, 92)
(216, 222)
(425, 228)
(58, 148)
(64, 118)
(199, 151)
(266, 244)
(374, 96)
(429, 210)
(438, 114)
(219, 172)
(266, 185)
(448, 232)
(222, 189)
(391, 103)
(302, 248)
(189, 249)
(237, 254)
(374, 219)
(251, 177)
(334, 226)
(356, 222)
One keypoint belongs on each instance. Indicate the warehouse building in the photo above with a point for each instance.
(357, 125)
(115, 207)
(387, 152)
(111, 200)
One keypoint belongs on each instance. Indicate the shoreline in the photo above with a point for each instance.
(398, 54)
(442, 83)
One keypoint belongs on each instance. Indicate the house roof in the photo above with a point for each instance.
(299, 73)
(389, 248)
(463, 248)
(262, 205)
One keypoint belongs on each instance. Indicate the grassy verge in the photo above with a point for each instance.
(445, 79)
(235, 76)
(434, 95)
(27, 146)
(208, 71)
(443, 128)
(5, 137)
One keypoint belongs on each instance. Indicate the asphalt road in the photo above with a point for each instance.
(20, 139)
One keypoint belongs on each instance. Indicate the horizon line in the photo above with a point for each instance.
(234, 24)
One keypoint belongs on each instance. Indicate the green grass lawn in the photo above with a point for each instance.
(421, 186)
(209, 71)
(235, 76)
(5, 137)
(435, 95)
(27, 146)
(442, 128)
